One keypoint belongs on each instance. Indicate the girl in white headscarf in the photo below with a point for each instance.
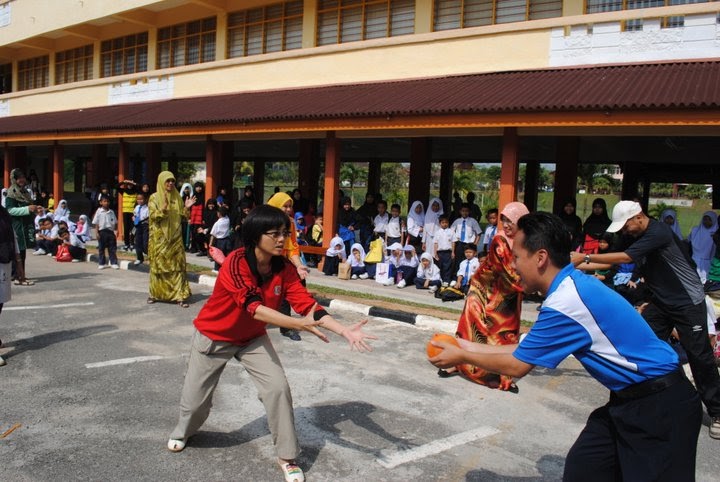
(61, 213)
(357, 262)
(415, 224)
(408, 267)
(702, 244)
(428, 274)
(82, 229)
(334, 255)
(432, 222)
(669, 217)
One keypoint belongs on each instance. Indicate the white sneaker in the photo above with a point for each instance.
(453, 283)
(175, 445)
(389, 282)
(49, 254)
(2, 362)
(402, 284)
(114, 266)
(363, 276)
(39, 252)
(102, 266)
(75, 260)
(433, 289)
(354, 276)
(445, 284)
(292, 473)
(137, 262)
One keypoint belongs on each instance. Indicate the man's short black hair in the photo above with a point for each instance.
(546, 231)
(260, 220)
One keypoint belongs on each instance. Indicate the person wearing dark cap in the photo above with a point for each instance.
(678, 299)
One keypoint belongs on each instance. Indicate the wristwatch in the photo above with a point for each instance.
(587, 259)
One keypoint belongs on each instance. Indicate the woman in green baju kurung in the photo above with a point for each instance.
(21, 208)
(168, 280)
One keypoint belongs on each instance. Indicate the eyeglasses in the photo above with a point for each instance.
(278, 234)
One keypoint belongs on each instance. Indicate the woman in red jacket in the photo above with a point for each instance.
(250, 286)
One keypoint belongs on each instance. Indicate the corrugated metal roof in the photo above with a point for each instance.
(677, 85)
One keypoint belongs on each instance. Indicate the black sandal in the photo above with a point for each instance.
(151, 300)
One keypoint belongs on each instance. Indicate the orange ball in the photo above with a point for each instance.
(432, 350)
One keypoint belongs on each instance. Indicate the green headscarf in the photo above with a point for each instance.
(168, 221)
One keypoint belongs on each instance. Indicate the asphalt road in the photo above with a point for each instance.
(94, 377)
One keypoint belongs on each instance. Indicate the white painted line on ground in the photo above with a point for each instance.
(436, 446)
(126, 361)
(43, 307)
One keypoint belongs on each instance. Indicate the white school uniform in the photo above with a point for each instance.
(472, 229)
(392, 229)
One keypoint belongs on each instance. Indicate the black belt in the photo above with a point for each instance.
(654, 385)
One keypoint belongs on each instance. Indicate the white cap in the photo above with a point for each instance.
(623, 211)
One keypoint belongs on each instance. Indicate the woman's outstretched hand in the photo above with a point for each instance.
(357, 337)
(309, 324)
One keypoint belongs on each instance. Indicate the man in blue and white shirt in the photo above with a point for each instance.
(649, 428)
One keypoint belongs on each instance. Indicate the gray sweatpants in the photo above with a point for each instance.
(207, 361)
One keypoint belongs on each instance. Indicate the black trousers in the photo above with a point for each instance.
(445, 263)
(142, 233)
(107, 241)
(649, 438)
(691, 325)
(127, 228)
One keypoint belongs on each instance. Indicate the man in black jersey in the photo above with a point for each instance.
(678, 299)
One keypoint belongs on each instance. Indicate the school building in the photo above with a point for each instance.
(120, 86)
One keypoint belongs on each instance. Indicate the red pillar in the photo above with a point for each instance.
(419, 189)
(566, 161)
(212, 167)
(9, 164)
(332, 184)
(123, 171)
(509, 168)
(58, 167)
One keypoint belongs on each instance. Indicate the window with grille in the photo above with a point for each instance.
(341, 21)
(453, 14)
(124, 55)
(187, 43)
(272, 28)
(5, 78)
(595, 6)
(74, 65)
(34, 73)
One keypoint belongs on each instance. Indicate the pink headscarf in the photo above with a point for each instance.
(513, 211)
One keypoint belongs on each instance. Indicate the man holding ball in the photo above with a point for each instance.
(649, 428)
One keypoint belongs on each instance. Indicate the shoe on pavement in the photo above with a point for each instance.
(292, 473)
(453, 283)
(137, 262)
(292, 334)
(102, 266)
(433, 289)
(715, 427)
(445, 284)
(175, 445)
(364, 276)
(39, 252)
(2, 362)
(389, 282)
(114, 266)
(49, 254)
(354, 276)
(401, 284)
(75, 260)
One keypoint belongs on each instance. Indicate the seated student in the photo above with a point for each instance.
(606, 275)
(334, 255)
(393, 260)
(357, 262)
(82, 228)
(467, 268)
(428, 274)
(74, 244)
(408, 267)
(45, 238)
(41, 214)
(629, 284)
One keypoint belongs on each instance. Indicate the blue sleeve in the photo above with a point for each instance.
(552, 339)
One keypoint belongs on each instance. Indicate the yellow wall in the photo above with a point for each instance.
(348, 63)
